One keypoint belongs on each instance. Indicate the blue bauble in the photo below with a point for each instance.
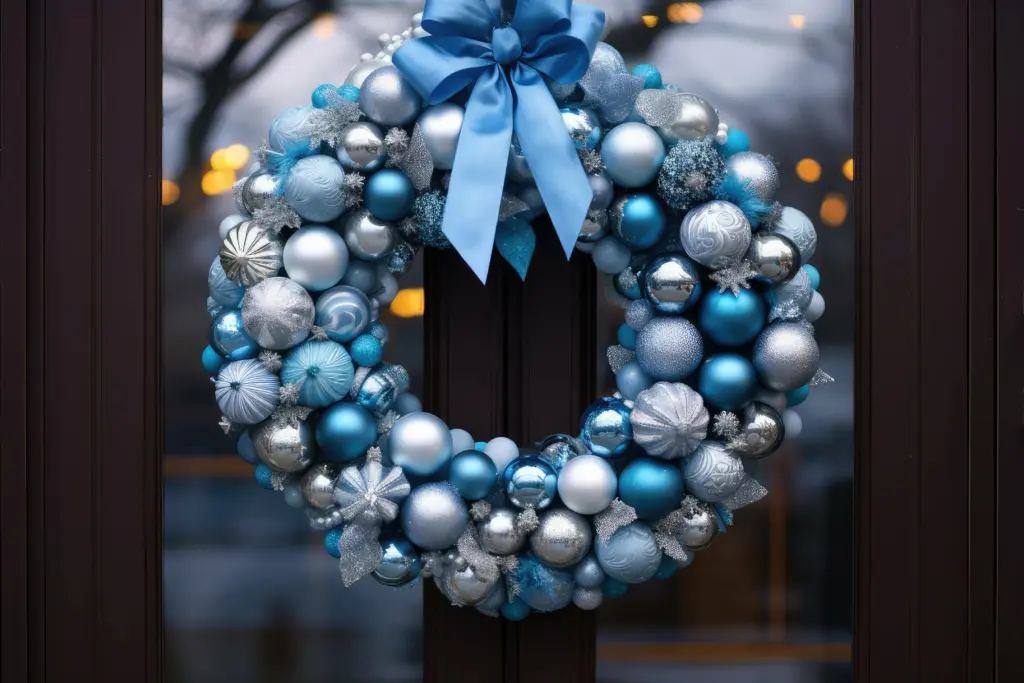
(212, 361)
(367, 350)
(584, 126)
(626, 336)
(408, 403)
(530, 482)
(223, 290)
(631, 380)
(345, 431)
(797, 396)
(732, 319)
(343, 312)
(613, 588)
(813, 273)
(264, 477)
(728, 381)
(736, 143)
(289, 133)
(322, 370)
(401, 563)
(667, 569)
(652, 487)
(349, 92)
(651, 75)
(631, 555)
(229, 338)
(633, 154)
(588, 573)
(517, 610)
(246, 449)
(315, 189)
(331, 541)
(638, 220)
(389, 195)
(543, 588)
(605, 427)
(473, 474)
(323, 95)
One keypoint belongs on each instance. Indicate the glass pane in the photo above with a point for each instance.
(251, 594)
(771, 599)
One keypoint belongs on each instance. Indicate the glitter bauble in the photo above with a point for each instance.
(713, 472)
(761, 431)
(716, 235)
(285, 446)
(669, 420)
(786, 356)
(278, 313)
(251, 254)
(562, 539)
(587, 598)
(669, 348)
(246, 392)
(757, 173)
(631, 555)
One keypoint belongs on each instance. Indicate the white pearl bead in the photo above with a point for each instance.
(383, 39)
(417, 19)
(365, 57)
(721, 137)
(407, 34)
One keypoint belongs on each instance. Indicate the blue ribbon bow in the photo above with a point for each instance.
(470, 44)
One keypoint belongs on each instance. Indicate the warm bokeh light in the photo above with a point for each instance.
(237, 156)
(808, 170)
(169, 192)
(685, 13)
(848, 169)
(410, 303)
(324, 25)
(650, 20)
(219, 160)
(218, 181)
(797, 21)
(833, 209)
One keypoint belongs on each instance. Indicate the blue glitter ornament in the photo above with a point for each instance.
(517, 610)
(732, 319)
(331, 540)
(727, 380)
(366, 351)
(737, 142)
(666, 569)
(797, 396)
(246, 449)
(428, 216)
(389, 195)
(652, 487)
(345, 431)
(543, 588)
(631, 380)
(212, 361)
(264, 477)
(323, 95)
(691, 171)
(516, 242)
(638, 220)
(605, 427)
(401, 562)
(813, 273)
(626, 336)
(530, 482)
(669, 348)
(229, 338)
(322, 370)
(613, 588)
(349, 93)
(651, 75)
(473, 474)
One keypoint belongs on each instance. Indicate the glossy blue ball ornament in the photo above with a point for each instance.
(797, 396)
(651, 75)
(638, 220)
(530, 482)
(517, 610)
(613, 588)
(323, 95)
(605, 427)
(366, 351)
(626, 336)
(813, 273)
(666, 569)
(212, 361)
(349, 92)
(473, 475)
(345, 431)
(401, 563)
(732, 319)
(389, 195)
(264, 477)
(229, 338)
(246, 449)
(736, 143)
(728, 381)
(653, 487)
(331, 541)
(631, 380)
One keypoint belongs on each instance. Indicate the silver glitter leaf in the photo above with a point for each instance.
(277, 215)
(330, 123)
(750, 491)
(357, 381)
(666, 533)
(396, 142)
(619, 356)
(480, 510)
(614, 517)
(277, 480)
(484, 565)
(527, 521)
(659, 108)
(417, 162)
(511, 206)
(318, 333)
(727, 425)
(361, 552)
(613, 93)
(821, 377)
(591, 160)
(289, 394)
(734, 277)
(353, 184)
(271, 361)
(291, 415)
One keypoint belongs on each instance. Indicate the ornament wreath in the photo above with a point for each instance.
(717, 341)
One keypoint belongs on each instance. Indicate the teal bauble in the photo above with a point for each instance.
(732, 319)
(813, 273)
(613, 588)
(229, 338)
(638, 220)
(652, 487)
(366, 350)
(323, 95)
(652, 76)
(389, 195)
(605, 427)
(797, 396)
(737, 142)
(473, 474)
(728, 381)
(345, 431)
(212, 361)
(322, 370)
(331, 540)
(517, 610)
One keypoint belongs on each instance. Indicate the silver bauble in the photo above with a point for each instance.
(518, 167)
(794, 425)
(441, 126)
(633, 154)
(251, 254)
(669, 348)
(257, 190)
(361, 275)
(318, 485)
(816, 309)
(611, 256)
(584, 127)
(604, 191)
(389, 100)
(587, 484)
(315, 189)
(631, 555)
(285, 446)
(595, 227)
(228, 223)
(587, 598)
(277, 313)
(316, 257)
(466, 586)
(247, 392)
(669, 420)
(367, 237)
(761, 432)
(716, 235)
(362, 148)
(588, 573)
(774, 257)
(669, 283)
(499, 533)
(677, 116)
(794, 225)
(223, 289)
(790, 300)
(562, 539)
(434, 516)
(713, 472)
(757, 173)
(343, 312)
(700, 524)
(491, 605)
(420, 443)
(786, 356)
(361, 71)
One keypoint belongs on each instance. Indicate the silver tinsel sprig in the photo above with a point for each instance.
(615, 516)
(511, 205)
(262, 154)
(375, 454)
(396, 142)
(483, 564)
(271, 361)
(225, 424)
(291, 415)
(480, 510)
(288, 394)
(727, 425)
(318, 333)
(509, 565)
(627, 279)
(386, 423)
(527, 521)
(354, 184)
(821, 377)
(591, 160)
(750, 491)
(734, 277)
(330, 123)
(276, 215)
(417, 162)
(619, 356)
(769, 222)
(666, 532)
(277, 480)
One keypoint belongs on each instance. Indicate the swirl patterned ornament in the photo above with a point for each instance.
(645, 180)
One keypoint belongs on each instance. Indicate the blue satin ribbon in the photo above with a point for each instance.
(468, 44)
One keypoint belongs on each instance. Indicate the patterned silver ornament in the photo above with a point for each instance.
(499, 533)
(368, 237)
(699, 525)
(388, 99)
(631, 555)
(757, 173)
(677, 116)
(362, 148)
(790, 300)
(246, 392)
(318, 485)
(316, 189)
(786, 356)
(562, 539)
(278, 313)
(760, 433)
(669, 348)
(251, 254)
(774, 257)
(713, 472)
(794, 225)
(716, 235)
(669, 283)
(284, 446)
(669, 420)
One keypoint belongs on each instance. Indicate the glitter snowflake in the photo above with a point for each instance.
(591, 160)
(397, 144)
(291, 415)
(354, 184)
(276, 215)
(727, 425)
(318, 333)
(289, 394)
(328, 125)
(479, 510)
(734, 277)
(271, 361)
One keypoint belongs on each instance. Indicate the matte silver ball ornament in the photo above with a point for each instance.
(316, 257)
(671, 283)
(669, 348)
(774, 257)
(786, 356)
(441, 126)
(361, 71)
(700, 524)
(757, 172)
(716, 234)
(499, 533)
(669, 420)
(389, 100)
(362, 147)
(318, 485)
(761, 431)
(251, 254)
(816, 310)
(631, 555)
(315, 190)
(562, 539)
(604, 190)
(587, 598)
(713, 472)
(587, 484)
(420, 443)
(434, 516)
(367, 237)
(278, 313)
(285, 446)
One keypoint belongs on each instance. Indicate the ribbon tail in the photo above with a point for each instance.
(360, 550)
(547, 146)
(478, 177)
